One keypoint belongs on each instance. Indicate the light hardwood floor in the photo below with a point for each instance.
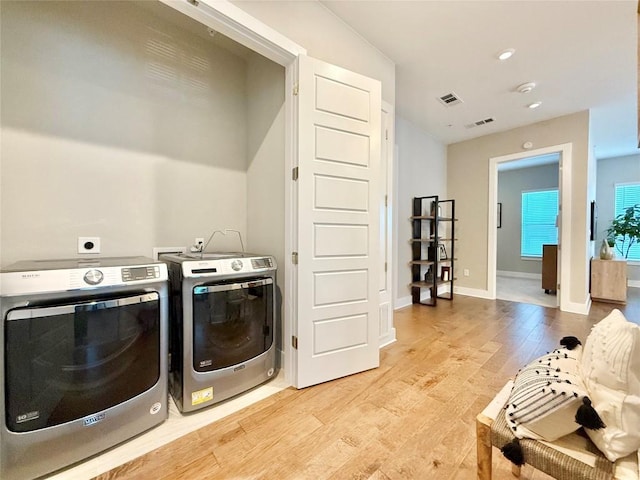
(411, 418)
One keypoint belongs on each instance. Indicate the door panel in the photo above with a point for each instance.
(338, 222)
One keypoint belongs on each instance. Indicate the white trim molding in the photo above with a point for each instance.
(564, 234)
(235, 23)
(473, 292)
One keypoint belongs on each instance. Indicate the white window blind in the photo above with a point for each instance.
(627, 195)
(539, 213)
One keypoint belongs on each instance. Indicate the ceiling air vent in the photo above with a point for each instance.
(450, 99)
(481, 122)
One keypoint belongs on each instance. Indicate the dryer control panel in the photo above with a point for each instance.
(132, 274)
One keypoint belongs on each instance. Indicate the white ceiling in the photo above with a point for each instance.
(581, 54)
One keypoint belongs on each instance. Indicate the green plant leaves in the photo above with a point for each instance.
(625, 229)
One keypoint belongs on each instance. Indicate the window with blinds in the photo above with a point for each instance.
(627, 195)
(539, 214)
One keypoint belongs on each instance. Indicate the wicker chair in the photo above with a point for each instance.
(573, 457)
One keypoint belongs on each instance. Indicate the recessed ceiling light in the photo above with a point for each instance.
(526, 87)
(534, 105)
(503, 55)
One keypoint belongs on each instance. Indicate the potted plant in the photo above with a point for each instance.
(625, 230)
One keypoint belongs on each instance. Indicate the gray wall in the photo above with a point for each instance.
(120, 124)
(422, 171)
(611, 171)
(511, 184)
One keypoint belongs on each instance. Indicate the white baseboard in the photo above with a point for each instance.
(388, 338)
(533, 276)
(402, 302)
(579, 308)
(473, 292)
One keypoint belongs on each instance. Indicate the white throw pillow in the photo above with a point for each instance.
(610, 368)
(546, 396)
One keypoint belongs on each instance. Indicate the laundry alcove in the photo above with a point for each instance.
(112, 123)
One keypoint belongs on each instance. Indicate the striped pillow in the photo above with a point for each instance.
(546, 396)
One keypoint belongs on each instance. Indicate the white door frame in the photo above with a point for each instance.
(235, 23)
(564, 233)
(387, 329)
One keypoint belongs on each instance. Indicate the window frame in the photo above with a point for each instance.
(528, 255)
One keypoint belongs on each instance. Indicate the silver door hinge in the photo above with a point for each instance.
(385, 267)
(294, 258)
(386, 134)
(294, 342)
(386, 200)
(295, 89)
(294, 174)
(195, 3)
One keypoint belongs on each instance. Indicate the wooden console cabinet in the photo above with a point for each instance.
(549, 268)
(609, 280)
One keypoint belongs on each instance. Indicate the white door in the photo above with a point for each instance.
(386, 330)
(337, 221)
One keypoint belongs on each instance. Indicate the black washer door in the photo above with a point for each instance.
(65, 362)
(232, 323)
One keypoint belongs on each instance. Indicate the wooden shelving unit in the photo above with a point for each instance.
(433, 255)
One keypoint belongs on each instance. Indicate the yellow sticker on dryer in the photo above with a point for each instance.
(201, 396)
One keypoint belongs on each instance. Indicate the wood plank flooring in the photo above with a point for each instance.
(411, 418)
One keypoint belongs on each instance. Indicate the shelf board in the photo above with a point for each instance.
(431, 262)
(429, 284)
(421, 262)
(432, 240)
(431, 217)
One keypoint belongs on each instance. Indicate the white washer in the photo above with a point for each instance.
(84, 356)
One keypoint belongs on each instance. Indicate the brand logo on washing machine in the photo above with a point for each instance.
(87, 422)
(25, 417)
(27, 276)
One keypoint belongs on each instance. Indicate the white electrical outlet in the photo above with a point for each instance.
(89, 245)
(465, 272)
(199, 242)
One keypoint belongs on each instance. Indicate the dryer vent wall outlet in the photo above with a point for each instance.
(88, 244)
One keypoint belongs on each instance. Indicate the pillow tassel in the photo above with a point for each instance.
(513, 452)
(570, 342)
(588, 417)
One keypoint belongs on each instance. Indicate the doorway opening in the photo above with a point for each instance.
(561, 153)
(527, 233)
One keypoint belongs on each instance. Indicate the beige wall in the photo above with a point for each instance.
(468, 180)
(326, 37)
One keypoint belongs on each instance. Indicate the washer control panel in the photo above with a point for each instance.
(258, 263)
(133, 274)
